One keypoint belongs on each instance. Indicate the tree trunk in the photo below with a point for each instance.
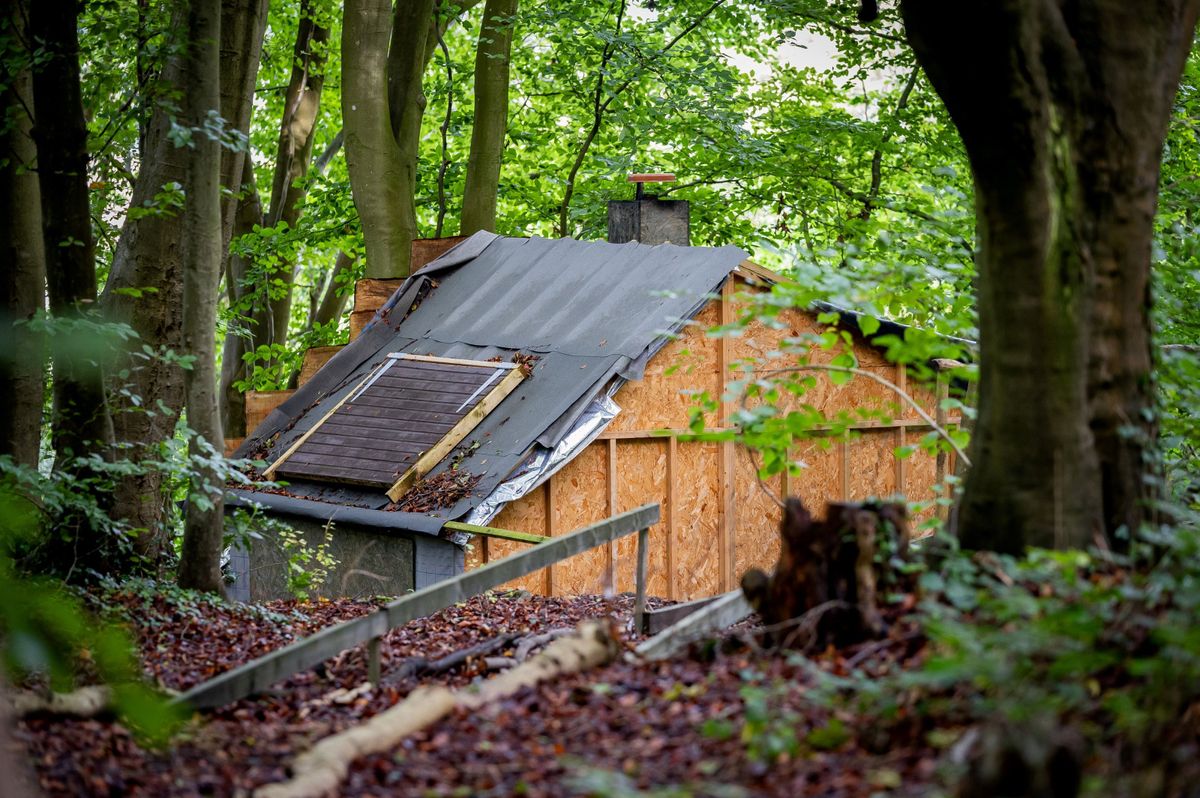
(301, 103)
(826, 579)
(243, 25)
(380, 142)
(241, 329)
(81, 423)
(22, 263)
(1063, 112)
(199, 565)
(491, 117)
(333, 301)
(266, 321)
(144, 288)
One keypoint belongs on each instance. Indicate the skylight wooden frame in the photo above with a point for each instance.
(496, 391)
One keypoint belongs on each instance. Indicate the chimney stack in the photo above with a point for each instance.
(649, 219)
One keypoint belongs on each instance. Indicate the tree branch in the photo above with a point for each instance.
(599, 108)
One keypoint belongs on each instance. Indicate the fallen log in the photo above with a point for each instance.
(829, 571)
(86, 702)
(320, 770)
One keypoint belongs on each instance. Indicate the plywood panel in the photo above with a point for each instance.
(526, 514)
(756, 518)
(698, 568)
(872, 465)
(820, 480)
(582, 498)
(370, 294)
(643, 479)
(921, 467)
(314, 359)
(663, 397)
(259, 405)
(925, 396)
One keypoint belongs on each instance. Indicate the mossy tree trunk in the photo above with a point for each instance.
(144, 288)
(199, 564)
(492, 57)
(22, 263)
(375, 89)
(81, 425)
(1063, 109)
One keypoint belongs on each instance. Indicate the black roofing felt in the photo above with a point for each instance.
(590, 311)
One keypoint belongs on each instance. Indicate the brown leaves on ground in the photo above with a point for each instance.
(250, 742)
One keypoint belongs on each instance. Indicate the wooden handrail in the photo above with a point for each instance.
(261, 673)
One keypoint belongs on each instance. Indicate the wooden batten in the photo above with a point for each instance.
(314, 359)
(259, 405)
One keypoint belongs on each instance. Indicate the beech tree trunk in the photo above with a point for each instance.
(22, 263)
(301, 103)
(81, 423)
(238, 338)
(382, 117)
(199, 564)
(266, 321)
(492, 57)
(1063, 109)
(333, 301)
(243, 25)
(144, 288)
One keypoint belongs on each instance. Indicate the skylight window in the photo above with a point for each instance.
(399, 422)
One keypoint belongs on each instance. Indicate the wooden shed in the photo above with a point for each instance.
(717, 519)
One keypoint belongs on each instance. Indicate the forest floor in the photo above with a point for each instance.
(732, 719)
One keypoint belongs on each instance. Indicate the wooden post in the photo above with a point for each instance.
(551, 530)
(484, 552)
(672, 452)
(844, 467)
(727, 510)
(373, 664)
(941, 392)
(901, 435)
(612, 510)
(643, 553)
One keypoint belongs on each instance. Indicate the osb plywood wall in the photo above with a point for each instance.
(718, 520)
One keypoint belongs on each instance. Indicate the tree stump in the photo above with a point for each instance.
(828, 573)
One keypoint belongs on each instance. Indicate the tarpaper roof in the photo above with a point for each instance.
(589, 311)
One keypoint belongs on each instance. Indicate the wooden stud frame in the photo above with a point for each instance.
(727, 501)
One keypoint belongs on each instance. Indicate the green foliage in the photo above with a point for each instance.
(46, 633)
(308, 565)
(1099, 641)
